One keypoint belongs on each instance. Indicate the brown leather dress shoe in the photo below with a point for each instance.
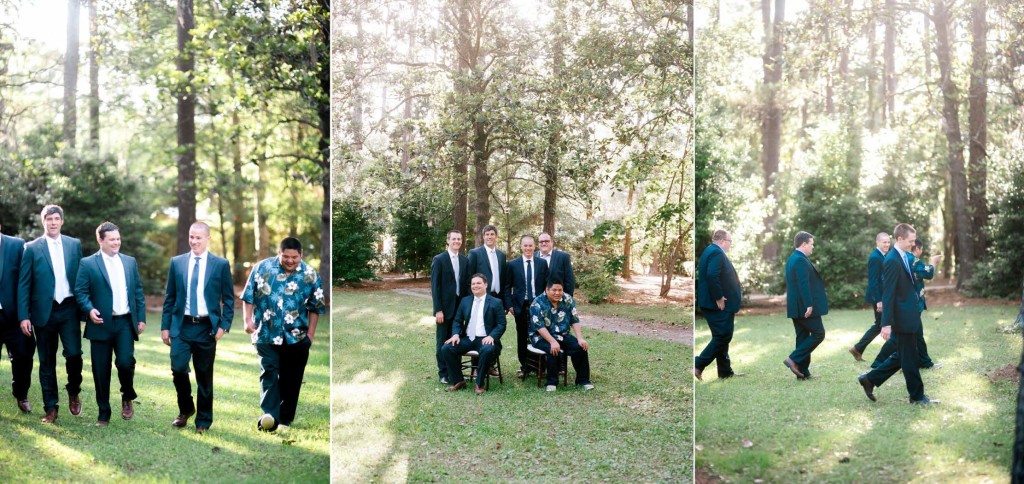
(792, 367)
(456, 387)
(697, 373)
(24, 406)
(75, 405)
(182, 420)
(50, 416)
(101, 423)
(479, 389)
(127, 411)
(202, 430)
(856, 354)
(494, 371)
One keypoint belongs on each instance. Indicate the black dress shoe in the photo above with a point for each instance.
(868, 387)
(697, 373)
(925, 401)
(24, 406)
(731, 375)
(182, 419)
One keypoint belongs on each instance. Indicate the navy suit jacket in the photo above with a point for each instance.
(478, 264)
(717, 279)
(874, 292)
(494, 318)
(11, 249)
(442, 283)
(560, 269)
(900, 303)
(517, 294)
(218, 291)
(36, 283)
(804, 287)
(93, 291)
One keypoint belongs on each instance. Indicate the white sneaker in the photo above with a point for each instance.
(550, 388)
(588, 386)
(266, 422)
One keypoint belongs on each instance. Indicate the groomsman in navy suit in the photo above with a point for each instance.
(528, 276)
(109, 292)
(718, 295)
(873, 294)
(559, 263)
(490, 261)
(901, 318)
(199, 304)
(46, 305)
(478, 326)
(806, 303)
(449, 283)
(19, 345)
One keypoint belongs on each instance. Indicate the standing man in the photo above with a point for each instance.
(873, 294)
(528, 278)
(449, 283)
(806, 303)
(481, 321)
(109, 292)
(901, 315)
(490, 262)
(287, 299)
(199, 304)
(718, 295)
(553, 319)
(559, 263)
(45, 302)
(19, 345)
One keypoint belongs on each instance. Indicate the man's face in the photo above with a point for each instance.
(545, 244)
(110, 244)
(808, 247)
(907, 244)
(528, 247)
(198, 240)
(884, 244)
(726, 243)
(52, 224)
(478, 286)
(554, 293)
(490, 237)
(455, 241)
(290, 259)
(917, 251)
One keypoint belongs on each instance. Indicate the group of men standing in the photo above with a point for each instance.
(47, 289)
(895, 292)
(472, 296)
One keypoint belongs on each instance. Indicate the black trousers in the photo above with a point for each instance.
(64, 327)
(810, 332)
(121, 346)
(871, 333)
(721, 324)
(905, 358)
(282, 367)
(194, 342)
(20, 352)
(488, 354)
(924, 360)
(522, 333)
(571, 346)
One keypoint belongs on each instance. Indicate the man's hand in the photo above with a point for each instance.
(250, 327)
(439, 316)
(94, 315)
(26, 327)
(878, 306)
(310, 336)
(555, 348)
(142, 326)
(165, 335)
(810, 309)
(583, 344)
(219, 335)
(510, 310)
(886, 332)
(454, 340)
(936, 258)
(487, 341)
(720, 303)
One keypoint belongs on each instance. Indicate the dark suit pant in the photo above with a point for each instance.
(63, 326)
(121, 346)
(194, 342)
(571, 347)
(905, 358)
(871, 333)
(721, 324)
(20, 349)
(452, 353)
(522, 340)
(810, 332)
(281, 370)
(442, 333)
(923, 359)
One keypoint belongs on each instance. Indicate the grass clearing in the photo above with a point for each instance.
(392, 420)
(147, 448)
(675, 315)
(827, 430)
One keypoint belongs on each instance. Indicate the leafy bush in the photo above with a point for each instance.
(999, 273)
(355, 230)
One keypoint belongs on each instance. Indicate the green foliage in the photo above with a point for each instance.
(709, 180)
(355, 232)
(1000, 273)
(421, 219)
(597, 266)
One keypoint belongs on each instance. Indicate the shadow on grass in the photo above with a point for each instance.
(393, 421)
(827, 430)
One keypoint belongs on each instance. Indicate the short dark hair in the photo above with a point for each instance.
(50, 210)
(481, 276)
(488, 228)
(290, 243)
(801, 239)
(918, 244)
(553, 281)
(101, 231)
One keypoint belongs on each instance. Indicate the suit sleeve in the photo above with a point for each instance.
(227, 297)
(435, 284)
(460, 315)
(82, 287)
(890, 271)
(140, 295)
(803, 284)
(507, 299)
(170, 296)
(714, 276)
(570, 278)
(25, 283)
(875, 279)
(924, 271)
(499, 316)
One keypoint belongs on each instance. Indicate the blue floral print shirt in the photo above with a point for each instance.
(558, 321)
(281, 301)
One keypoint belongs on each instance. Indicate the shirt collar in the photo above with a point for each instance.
(192, 255)
(481, 298)
(110, 258)
(452, 254)
(50, 239)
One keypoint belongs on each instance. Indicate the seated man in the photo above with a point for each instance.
(478, 325)
(552, 315)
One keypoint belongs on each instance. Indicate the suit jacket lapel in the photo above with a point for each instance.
(4, 250)
(66, 246)
(46, 252)
(209, 263)
(103, 269)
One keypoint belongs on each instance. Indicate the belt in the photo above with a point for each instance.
(67, 300)
(125, 315)
(197, 320)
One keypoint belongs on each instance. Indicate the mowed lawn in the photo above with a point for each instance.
(827, 429)
(392, 420)
(147, 448)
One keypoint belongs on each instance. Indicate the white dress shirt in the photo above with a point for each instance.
(203, 311)
(61, 286)
(455, 267)
(476, 327)
(118, 285)
(492, 257)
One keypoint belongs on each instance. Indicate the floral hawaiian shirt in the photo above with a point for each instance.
(557, 320)
(282, 301)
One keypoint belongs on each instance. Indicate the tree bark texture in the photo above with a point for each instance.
(71, 76)
(186, 126)
(771, 114)
(94, 79)
(977, 98)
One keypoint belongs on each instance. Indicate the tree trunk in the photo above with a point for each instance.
(71, 76)
(771, 116)
(259, 216)
(237, 202)
(324, 144)
(186, 128)
(889, 67)
(951, 114)
(627, 241)
(94, 80)
(872, 101)
(977, 98)
(481, 179)
(464, 64)
(356, 119)
(1018, 323)
(948, 226)
(554, 154)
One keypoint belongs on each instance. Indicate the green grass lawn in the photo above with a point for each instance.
(675, 315)
(147, 448)
(827, 429)
(392, 420)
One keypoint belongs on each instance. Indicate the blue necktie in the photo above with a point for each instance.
(193, 290)
(529, 279)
